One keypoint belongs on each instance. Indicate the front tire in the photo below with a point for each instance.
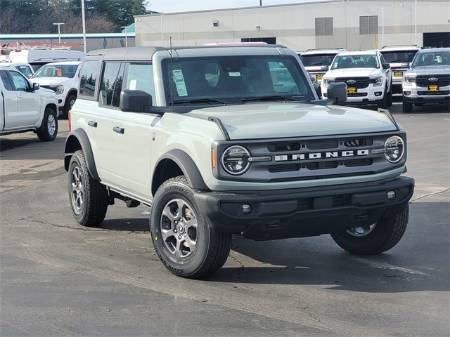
(49, 125)
(70, 101)
(185, 242)
(88, 197)
(375, 238)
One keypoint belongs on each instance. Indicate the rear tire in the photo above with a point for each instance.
(88, 197)
(49, 125)
(386, 233)
(408, 107)
(185, 242)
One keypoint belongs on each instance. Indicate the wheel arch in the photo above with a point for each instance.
(78, 140)
(174, 163)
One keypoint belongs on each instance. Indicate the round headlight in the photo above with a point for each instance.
(394, 149)
(235, 160)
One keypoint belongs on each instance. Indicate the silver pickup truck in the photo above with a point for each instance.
(222, 140)
(25, 106)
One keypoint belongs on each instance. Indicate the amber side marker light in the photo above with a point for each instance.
(213, 157)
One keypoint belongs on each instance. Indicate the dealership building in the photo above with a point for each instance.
(350, 24)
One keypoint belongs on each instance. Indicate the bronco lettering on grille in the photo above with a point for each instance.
(322, 155)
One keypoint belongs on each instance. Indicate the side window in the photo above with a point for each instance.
(20, 82)
(111, 84)
(7, 83)
(89, 74)
(140, 77)
(282, 79)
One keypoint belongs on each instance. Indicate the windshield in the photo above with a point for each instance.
(25, 70)
(437, 58)
(355, 61)
(317, 60)
(404, 56)
(234, 79)
(57, 70)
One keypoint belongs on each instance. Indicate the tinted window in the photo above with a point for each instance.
(20, 82)
(140, 77)
(317, 59)
(234, 77)
(57, 70)
(111, 84)
(88, 77)
(6, 80)
(399, 56)
(355, 61)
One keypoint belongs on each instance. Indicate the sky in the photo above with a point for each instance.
(167, 6)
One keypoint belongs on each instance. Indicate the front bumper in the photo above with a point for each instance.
(363, 96)
(420, 95)
(302, 212)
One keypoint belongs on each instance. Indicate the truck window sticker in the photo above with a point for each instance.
(178, 79)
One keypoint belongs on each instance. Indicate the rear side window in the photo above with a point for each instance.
(6, 80)
(89, 74)
(111, 85)
(140, 77)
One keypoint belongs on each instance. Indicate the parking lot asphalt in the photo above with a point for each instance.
(60, 279)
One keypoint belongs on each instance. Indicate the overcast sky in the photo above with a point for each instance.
(167, 6)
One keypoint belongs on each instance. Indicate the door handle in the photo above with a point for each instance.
(92, 123)
(118, 129)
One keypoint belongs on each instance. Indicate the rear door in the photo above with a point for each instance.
(28, 101)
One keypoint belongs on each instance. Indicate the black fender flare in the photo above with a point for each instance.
(83, 139)
(187, 166)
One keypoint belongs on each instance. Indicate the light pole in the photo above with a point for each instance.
(59, 24)
(83, 19)
(126, 35)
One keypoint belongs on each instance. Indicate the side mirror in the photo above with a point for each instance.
(386, 66)
(337, 92)
(35, 86)
(135, 101)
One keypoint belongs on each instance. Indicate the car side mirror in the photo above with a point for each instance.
(135, 101)
(337, 92)
(35, 86)
(386, 66)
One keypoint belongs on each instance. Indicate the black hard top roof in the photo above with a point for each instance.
(146, 53)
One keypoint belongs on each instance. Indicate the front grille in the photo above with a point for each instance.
(434, 93)
(310, 158)
(426, 80)
(359, 82)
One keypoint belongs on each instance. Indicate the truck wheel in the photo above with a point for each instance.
(389, 101)
(186, 243)
(384, 104)
(375, 238)
(49, 126)
(408, 107)
(70, 101)
(88, 198)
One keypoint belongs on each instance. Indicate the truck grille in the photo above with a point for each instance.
(309, 158)
(357, 82)
(425, 80)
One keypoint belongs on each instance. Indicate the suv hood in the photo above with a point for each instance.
(50, 81)
(356, 72)
(282, 120)
(430, 70)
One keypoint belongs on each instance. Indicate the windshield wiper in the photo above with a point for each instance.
(199, 101)
(291, 98)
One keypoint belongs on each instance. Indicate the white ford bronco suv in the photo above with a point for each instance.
(367, 75)
(25, 106)
(231, 140)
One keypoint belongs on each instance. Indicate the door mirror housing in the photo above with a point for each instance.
(337, 93)
(135, 101)
(35, 86)
(386, 66)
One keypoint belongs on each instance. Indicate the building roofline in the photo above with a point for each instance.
(308, 2)
(63, 36)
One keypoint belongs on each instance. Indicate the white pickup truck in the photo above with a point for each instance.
(25, 106)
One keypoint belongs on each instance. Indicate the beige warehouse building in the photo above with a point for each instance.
(350, 24)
